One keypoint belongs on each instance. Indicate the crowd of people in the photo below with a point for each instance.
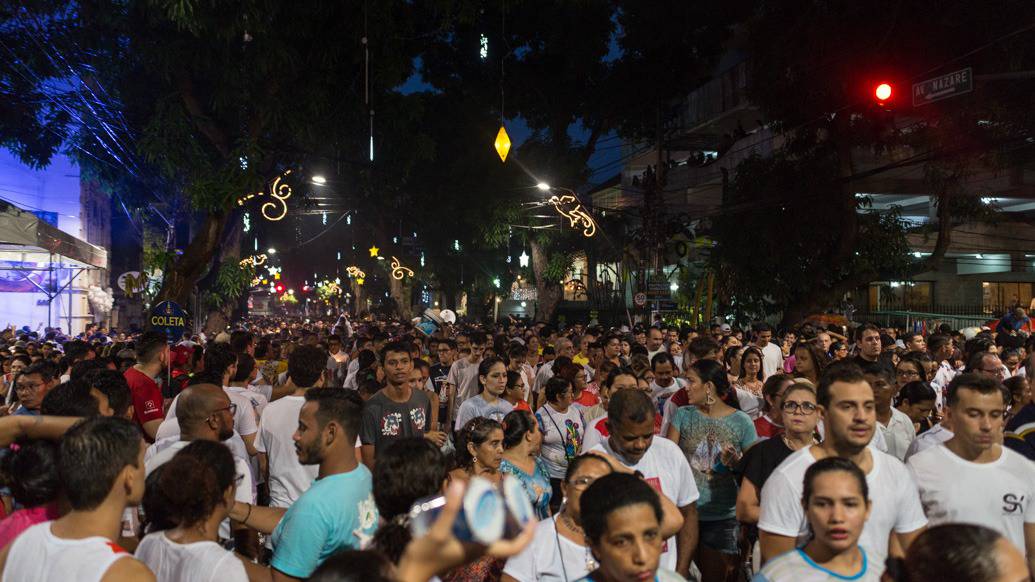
(362, 450)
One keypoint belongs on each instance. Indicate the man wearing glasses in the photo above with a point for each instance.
(206, 413)
(32, 385)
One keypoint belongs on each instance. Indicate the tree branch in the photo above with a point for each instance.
(202, 121)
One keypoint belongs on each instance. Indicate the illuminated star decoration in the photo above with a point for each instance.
(399, 271)
(523, 259)
(374, 251)
(569, 207)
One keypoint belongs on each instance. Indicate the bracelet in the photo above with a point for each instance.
(245, 520)
(638, 474)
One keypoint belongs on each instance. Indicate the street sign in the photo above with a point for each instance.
(943, 87)
(640, 299)
(658, 287)
(170, 319)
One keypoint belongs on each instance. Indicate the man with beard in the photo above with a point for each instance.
(337, 512)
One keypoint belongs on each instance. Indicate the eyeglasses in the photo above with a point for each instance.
(27, 386)
(792, 407)
(232, 408)
(907, 374)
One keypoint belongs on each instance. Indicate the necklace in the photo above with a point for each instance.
(783, 436)
(569, 523)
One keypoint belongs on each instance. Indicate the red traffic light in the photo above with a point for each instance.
(280, 288)
(882, 92)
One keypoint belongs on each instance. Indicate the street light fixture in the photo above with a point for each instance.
(271, 251)
(319, 179)
(543, 186)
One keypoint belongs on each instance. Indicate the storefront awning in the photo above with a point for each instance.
(24, 233)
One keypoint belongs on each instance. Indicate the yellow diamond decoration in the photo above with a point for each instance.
(502, 143)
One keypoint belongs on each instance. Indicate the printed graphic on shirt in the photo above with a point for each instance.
(367, 521)
(655, 483)
(418, 417)
(150, 407)
(391, 424)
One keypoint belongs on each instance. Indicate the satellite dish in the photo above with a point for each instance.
(447, 316)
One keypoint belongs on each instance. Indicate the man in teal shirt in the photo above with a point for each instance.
(338, 511)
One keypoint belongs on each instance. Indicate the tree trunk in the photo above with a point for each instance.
(179, 281)
(548, 292)
(397, 288)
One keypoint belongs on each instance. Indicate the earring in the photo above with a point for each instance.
(709, 399)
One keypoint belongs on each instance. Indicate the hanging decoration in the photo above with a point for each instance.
(399, 271)
(253, 261)
(374, 251)
(278, 190)
(355, 272)
(523, 258)
(569, 207)
(502, 144)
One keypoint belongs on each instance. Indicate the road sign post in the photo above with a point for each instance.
(943, 87)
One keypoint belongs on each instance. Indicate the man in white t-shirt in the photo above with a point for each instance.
(630, 424)
(655, 340)
(846, 404)
(665, 383)
(772, 356)
(288, 479)
(462, 381)
(105, 476)
(892, 424)
(205, 413)
(972, 478)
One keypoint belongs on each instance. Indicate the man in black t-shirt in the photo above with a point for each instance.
(446, 351)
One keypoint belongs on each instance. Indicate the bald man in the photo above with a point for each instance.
(206, 413)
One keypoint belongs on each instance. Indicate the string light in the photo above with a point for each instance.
(247, 222)
(575, 215)
(399, 271)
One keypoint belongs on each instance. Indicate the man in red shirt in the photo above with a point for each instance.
(152, 359)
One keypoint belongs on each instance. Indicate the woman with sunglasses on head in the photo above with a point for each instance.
(836, 499)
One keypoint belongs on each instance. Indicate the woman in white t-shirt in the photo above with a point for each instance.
(192, 494)
(563, 432)
(558, 552)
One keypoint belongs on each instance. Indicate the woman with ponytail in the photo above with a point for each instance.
(196, 490)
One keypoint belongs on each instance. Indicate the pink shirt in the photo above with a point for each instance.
(23, 519)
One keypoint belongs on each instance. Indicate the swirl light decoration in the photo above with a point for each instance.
(253, 261)
(279, 191)
(569, 207)
(354, 271)
(399, 271)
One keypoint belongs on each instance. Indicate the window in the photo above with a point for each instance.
(901, 295)
(998, 296)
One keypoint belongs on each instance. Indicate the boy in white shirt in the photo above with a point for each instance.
(971, 477)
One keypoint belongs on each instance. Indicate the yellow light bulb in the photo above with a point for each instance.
(502, 143)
